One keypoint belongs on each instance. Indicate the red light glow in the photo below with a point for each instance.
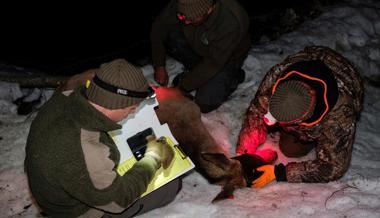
(268, 122)
(165, 94)
(250, 140)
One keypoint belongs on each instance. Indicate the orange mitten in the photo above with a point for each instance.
(267, 177)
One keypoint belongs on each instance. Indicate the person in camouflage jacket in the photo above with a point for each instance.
(324, 117)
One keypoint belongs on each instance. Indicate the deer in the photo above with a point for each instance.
(183, 117)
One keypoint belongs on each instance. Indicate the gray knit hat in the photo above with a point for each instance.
(292, 100)
(120, 74)
(193, 9)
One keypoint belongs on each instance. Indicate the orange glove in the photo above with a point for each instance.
(267, 177)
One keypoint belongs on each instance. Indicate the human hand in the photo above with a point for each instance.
(160, 150)
(267, 177)
(161, 76)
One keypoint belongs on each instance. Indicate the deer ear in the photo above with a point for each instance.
(227, 192)
(219, 159)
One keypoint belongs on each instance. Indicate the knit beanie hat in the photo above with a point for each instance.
(292, 100)
(193, 9)
(120, 74)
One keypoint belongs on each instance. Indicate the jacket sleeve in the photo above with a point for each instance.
(89, 174)
(254, 131)
(159, 31)
(123, 191)
(219, 52)
(333, 149)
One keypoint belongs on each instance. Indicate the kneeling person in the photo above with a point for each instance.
(71, 160)
(315, 99)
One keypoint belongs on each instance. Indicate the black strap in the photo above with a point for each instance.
(122, 91)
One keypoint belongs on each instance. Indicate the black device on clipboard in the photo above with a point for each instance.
(138, 142)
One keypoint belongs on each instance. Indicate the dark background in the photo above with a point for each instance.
(65, 39)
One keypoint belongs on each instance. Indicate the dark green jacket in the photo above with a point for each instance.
(221, 39)
(71, 160)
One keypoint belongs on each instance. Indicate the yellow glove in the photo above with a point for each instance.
(160, 150)
(267, 177)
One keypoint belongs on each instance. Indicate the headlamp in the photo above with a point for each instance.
(125, 92)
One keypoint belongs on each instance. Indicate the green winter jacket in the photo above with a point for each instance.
(222, 38)
(71, 161)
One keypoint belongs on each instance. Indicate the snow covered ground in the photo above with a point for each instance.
(353, 29)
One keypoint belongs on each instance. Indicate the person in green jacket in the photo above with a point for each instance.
(71, 160)
(210, 38)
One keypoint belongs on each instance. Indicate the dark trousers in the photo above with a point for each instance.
(215, 91)
(156, 199)
(290, 146)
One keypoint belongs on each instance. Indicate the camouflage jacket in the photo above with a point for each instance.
(333, 134)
